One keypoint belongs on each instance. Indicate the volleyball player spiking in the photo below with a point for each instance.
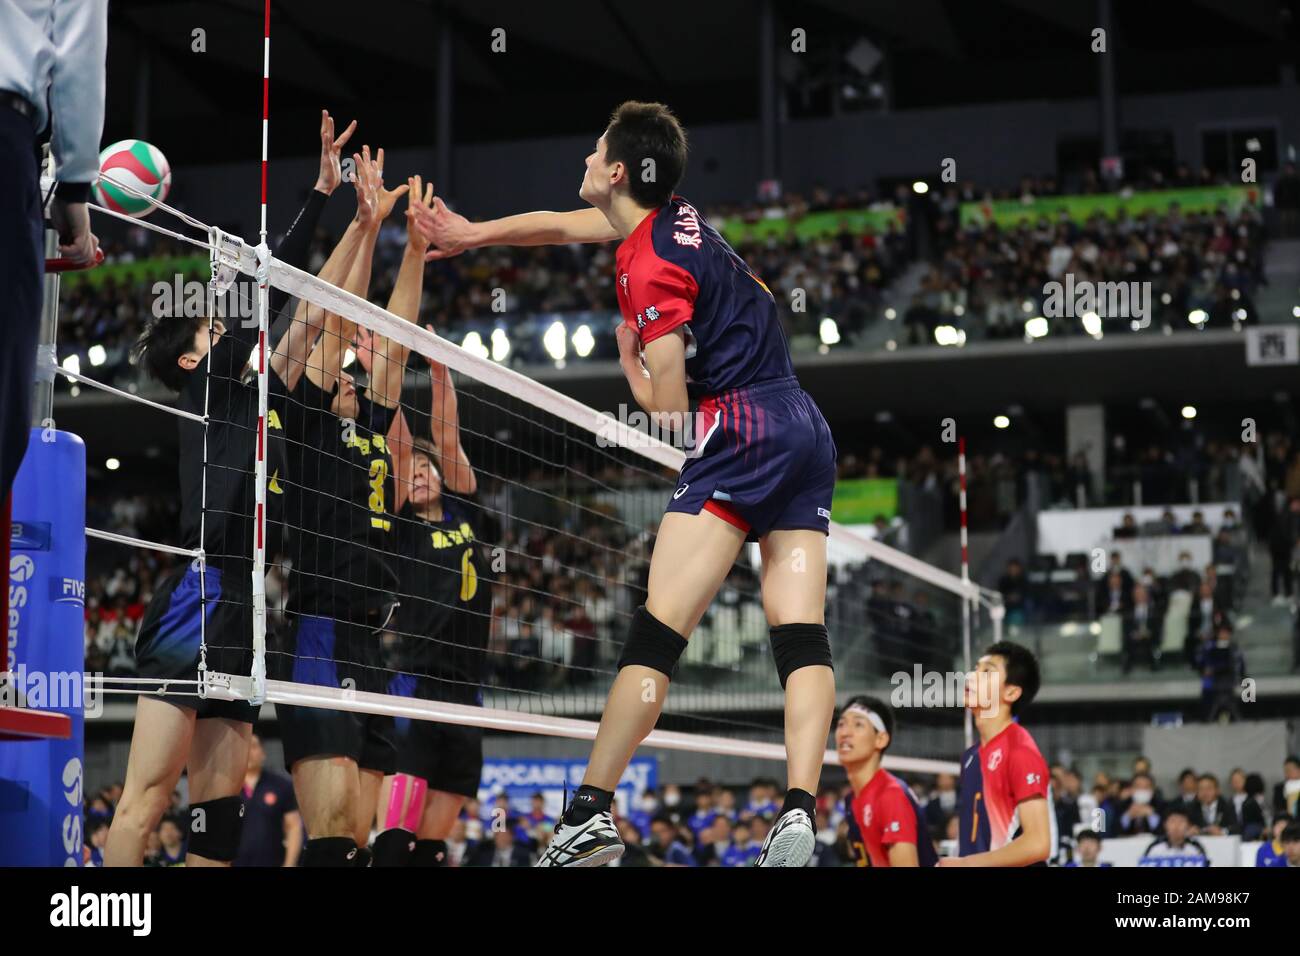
(698, 324)
(342, 589)
(210, 736)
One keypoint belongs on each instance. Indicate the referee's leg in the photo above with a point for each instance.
(22, 263)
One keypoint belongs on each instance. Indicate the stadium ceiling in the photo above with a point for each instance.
(569, 61)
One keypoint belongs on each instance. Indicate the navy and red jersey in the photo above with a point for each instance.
(676, 270)
(1013, 771)
(882, 814)
(972, 818)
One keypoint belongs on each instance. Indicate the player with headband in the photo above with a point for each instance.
(886, 824)
(698, 324)
(212, 736)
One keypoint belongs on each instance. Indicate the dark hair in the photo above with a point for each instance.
(1208, 776)
(162, 343)
(1189, 772)
(1087, 835)
(1022, 672)
(429, 451)
(641, 131)
(1291, 759)
(1177, 811)
(1254, 785)
(876, 706)
(1292, 833)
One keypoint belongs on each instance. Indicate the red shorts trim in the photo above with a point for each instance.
(727, 513)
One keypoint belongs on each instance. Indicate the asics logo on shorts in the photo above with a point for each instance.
(823, 513)
(681, 491)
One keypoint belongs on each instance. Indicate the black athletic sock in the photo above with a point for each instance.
(586, 803)
(394, 847)
(329, 851)
(429, 853)
(796, 799)
(364, 857)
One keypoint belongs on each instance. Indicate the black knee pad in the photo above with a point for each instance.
(215, 828)
(799, 645)
(652, 644)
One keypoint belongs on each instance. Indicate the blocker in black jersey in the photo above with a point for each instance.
(445, 597)
(443, 624)
(339, 509)
(168, 643)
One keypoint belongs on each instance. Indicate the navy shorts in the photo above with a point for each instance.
(329, 653)
(167, 645)
(763, 460)
(448, 757)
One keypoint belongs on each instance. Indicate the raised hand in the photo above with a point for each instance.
(387, 197)
(450, 233)
(419, 214)
(367, 184)
(331, 173)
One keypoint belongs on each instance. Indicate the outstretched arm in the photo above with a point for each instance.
(373, 205)
(452, 233)
(387, 357)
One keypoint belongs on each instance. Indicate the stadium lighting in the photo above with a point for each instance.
(1295, 312)
(1189, 412)
(1036, 327)
(890, 345)
(97, 354)
(1235, 294)
(890, 314)
(583, 341)
(946, 335)
(1001, 421)
(920, 187)
(1027, 307)
(112, 464)
(1197, 317)
(553, 341)
(829, 331)
(1166, 298)
(500, 345)
(474, 343)
(1092, 324)
(1239, 315)
(959, 310)
(72, 364)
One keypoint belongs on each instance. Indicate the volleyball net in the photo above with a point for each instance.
(491, 588)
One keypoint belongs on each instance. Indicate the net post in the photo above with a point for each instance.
(47, 338)
(263, 254)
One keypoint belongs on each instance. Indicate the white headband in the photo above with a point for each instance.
(871, 715)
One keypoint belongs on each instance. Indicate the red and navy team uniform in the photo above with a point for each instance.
(886, 812)
(972, 819)
(762, 456)
(1013, 771)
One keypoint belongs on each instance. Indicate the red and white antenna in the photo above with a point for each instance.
(263, 325)
(965, 575)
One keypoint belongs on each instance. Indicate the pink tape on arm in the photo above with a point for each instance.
(415, 809)
(393, 813)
